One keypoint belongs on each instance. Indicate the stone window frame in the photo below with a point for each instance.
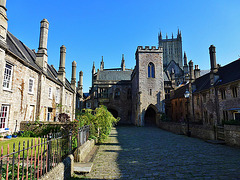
(4, 114)
(223, 93)
(70, 99)
(151, 70)
(225, 115)
(66, 98)
(50, 92)
(129, 93)
(204, 96)
(7, 79)
(117, 94)
(150, 92)
(57, 95)
(234, 90)
(31, 87)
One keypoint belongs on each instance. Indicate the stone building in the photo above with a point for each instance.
(136, 96)
(214, 96)
(30, 88)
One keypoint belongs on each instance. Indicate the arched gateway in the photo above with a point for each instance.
(114, 112)
(150, 116)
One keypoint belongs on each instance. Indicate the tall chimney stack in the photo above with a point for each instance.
(214, 68)
(73, 80)
(61, 71)
(123, 63)
(196, 72)
(41, 56)
(102, 65)
(80, 84)
(191, 73)
(212, 52)
(4, 24)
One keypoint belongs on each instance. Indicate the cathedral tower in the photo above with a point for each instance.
(172, 49)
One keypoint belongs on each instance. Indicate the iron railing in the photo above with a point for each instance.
(33, 158)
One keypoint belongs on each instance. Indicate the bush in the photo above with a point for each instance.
(100, 120)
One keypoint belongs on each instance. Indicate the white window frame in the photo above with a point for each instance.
(6, 116)
(7, 81)
(50, 92)
(31, 91)
(57, 95)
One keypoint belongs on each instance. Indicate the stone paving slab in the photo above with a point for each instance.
(151, 153)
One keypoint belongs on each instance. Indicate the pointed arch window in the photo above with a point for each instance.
(151, 70)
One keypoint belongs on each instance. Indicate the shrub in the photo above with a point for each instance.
(100, 120)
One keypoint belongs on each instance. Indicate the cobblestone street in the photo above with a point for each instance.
(151, 153)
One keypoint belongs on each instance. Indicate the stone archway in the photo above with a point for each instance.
(150, 117)
(113, 112)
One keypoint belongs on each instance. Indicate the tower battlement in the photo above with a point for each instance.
(149, 49)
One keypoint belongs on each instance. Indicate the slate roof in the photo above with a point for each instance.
(114, 75)
(19, 49)
(179, 92)
(229, 73)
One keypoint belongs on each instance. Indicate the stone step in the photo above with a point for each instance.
(82, 167)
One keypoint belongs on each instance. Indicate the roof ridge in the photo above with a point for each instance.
(17, 46)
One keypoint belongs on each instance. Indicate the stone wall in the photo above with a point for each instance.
(199, 131)
(63, 170)
(81, 153)
(232, 135)
(22, 104)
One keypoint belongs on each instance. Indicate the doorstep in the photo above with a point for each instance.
(82, 167)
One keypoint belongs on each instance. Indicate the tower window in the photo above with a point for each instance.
(151, 70)
(117, 94)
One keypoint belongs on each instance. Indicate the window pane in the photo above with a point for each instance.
(149, 69)
(153, 71)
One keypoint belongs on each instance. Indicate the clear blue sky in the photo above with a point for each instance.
(110, 28)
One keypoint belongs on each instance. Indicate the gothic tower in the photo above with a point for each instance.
(172, 49)
(148, 84)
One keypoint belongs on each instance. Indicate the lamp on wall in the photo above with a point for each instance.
(187, 95)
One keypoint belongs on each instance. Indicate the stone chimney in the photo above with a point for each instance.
(41, 56)
(80, 84)
(214, 68)
(61, 71)
(123, 63)
(102, 65)
(73, 79)
(196, 72)
(191, 73)
(212, 52)
(4, 24)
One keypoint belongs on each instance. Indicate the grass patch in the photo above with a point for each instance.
(5, 143)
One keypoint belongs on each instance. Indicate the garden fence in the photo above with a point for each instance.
(33, 158)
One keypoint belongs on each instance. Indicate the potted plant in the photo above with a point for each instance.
(14, 135)
(8, 136)
(1, 138)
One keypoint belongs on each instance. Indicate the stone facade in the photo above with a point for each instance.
(129, 93)
(214, 97)
(150, 88)
(30, 88)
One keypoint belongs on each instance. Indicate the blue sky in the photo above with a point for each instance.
(110, 28)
